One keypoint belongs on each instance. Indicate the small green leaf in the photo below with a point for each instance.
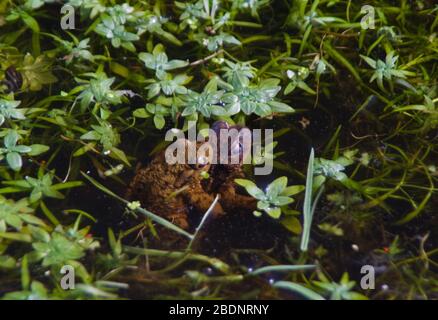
(276, 187)
(257, 214)
(30, 21)
(292, 224)
(159, 121)
(292, 190)
(11, 139)
(91, 135)
(37, 149)
(7, 262)
(251, 188)
(274, 212)
(280, 107)
(282, 201)
(141, 113)
(175, 64)
(14, 161)
(119, 154)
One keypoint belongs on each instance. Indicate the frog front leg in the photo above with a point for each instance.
(201, 200)
(231, 200)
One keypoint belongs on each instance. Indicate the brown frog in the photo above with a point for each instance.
(173, 191)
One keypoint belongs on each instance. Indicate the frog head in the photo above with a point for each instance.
(235, 139)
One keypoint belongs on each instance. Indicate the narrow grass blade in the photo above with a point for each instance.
(49, 214)
(307, 207)
(282, 268)
(204, 218)
(163, 222)
(297, 288)
(214, 262)
(418, 209)
(16, 236)
(82, 213)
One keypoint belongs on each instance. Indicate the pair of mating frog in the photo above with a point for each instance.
(174, 191)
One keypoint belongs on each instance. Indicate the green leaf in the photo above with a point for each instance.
(159, 121)
(35, 195)
(91, 135)
(58, 250)
(263, 205)
(251, 188)
(30, 21)
(141, 113)
(14, 161)
(371, 62)
(257, 213)
(37, 149)
(32, 219)
(331, 229)
(37, 72)
(282, 268)
(21, 149)
(14, 221)
(11, 139)
(307, 206)
(292, 190)
(175, 64)
(25, 274)
(7, 262)
(245, 183)
(273, 212)
(282, 201)
(188, 111)
(280, 107)
(16, 236)
(39, 234)
(119, 154)
(292, 224)
(276, 187)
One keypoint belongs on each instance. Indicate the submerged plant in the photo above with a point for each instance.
(386, 70)
(159, 62)
(275, 198)
(206, 102)
(158, 112)
(117, 33)
(12, 151)
(37, 72)
(341, 290)
(15, 213)
(9, 110)
(98, 90)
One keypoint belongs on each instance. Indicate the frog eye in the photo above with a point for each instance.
(218, 126)
(235, 148)
(203, 161)
(204, 155)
